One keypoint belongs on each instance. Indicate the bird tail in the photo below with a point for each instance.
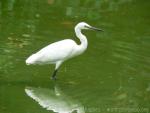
(31, 59)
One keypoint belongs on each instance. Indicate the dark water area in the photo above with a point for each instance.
(112, 76)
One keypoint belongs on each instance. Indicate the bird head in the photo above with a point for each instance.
(83, 25)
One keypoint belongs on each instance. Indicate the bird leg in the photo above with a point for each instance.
(56, 69)
(54, 75)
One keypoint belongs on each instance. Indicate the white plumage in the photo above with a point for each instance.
(58, 52)
(53, 53)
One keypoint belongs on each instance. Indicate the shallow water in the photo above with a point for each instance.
(112, 76)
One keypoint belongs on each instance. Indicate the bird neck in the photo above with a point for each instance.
(83, 39)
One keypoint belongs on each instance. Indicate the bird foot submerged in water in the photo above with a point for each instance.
(53, 78)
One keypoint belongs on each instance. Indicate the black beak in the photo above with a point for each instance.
(94, 28)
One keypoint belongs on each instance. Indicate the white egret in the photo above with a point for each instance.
(58, 52)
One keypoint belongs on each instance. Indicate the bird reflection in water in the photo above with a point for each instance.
(54, 99)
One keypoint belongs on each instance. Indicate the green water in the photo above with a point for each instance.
(112, 76)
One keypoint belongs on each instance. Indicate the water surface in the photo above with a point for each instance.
(112, 76)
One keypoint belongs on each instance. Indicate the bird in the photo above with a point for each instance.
(60, 51)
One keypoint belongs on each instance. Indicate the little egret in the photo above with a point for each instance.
(58, 52)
